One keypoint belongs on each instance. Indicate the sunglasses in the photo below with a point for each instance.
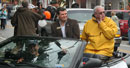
(101, 12)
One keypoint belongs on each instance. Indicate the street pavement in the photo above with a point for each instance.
(124, 47)
(8, 32)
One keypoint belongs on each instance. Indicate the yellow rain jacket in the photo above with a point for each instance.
(100, 37)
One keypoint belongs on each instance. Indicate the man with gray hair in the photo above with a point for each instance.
(99, 32)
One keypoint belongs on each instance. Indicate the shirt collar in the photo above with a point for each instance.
(64, 23)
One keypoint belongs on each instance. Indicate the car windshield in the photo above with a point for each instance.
(80, 15)
(43, 52)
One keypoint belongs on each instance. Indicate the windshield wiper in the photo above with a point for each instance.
(72, 45)
(58, 44)
(7, 63)
(62, 53)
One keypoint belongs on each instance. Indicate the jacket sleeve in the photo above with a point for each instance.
(76, 30)
(84, 35)
(14, 20)
(37, 16)
(109, 30)
(53, 30)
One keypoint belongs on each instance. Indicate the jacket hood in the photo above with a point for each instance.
(21, 9)
(93, 18)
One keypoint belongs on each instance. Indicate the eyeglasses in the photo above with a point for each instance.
(101, 12)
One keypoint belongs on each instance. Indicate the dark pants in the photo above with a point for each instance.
(93, 60)
(101, 57)
(3, 23)
(43, 32)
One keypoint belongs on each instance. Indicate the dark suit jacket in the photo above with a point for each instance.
(71, 29)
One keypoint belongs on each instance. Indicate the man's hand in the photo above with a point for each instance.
(64, 50)
(100, 19)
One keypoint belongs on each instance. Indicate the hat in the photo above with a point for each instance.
(31, 6)
(53, 2)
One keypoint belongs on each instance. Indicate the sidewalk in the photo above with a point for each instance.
(7, 32)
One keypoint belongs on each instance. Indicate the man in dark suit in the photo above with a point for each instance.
(65, 27)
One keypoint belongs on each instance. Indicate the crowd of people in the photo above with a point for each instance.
(100, 37)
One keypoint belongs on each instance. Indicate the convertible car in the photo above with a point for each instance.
(51, 52)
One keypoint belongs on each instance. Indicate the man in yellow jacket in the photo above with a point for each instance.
(99, 32)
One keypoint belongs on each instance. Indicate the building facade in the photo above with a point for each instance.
(107, 4)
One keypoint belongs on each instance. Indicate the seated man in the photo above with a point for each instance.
(65, 27)
(99, 32)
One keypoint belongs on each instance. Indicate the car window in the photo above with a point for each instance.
(50, 52)
(80, 15)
